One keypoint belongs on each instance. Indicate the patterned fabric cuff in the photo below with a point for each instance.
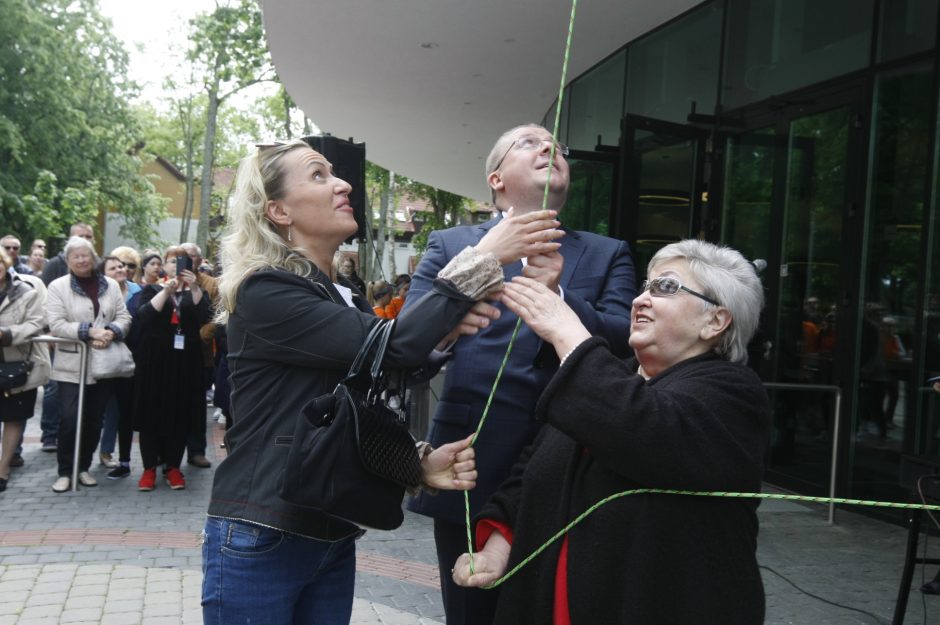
(118, 334)
(83, 329)
(472, 273)
(423, 448)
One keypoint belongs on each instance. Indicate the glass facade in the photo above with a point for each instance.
(776, 46)
(815, 145)
(676, 68)
(907, 27)
(903, 112)
(598, 97)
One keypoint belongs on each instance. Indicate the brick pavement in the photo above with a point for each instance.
(113, 555)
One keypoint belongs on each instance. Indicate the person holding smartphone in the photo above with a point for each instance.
(169, 395)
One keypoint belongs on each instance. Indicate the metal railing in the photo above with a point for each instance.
(82, 372)
(836, 422)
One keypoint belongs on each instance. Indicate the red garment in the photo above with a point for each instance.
(560, 613)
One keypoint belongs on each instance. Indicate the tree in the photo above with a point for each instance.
(448, 209)
(68, 139)
(176, 133)
(229, 49)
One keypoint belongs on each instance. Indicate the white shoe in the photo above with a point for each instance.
(62, 484)
(85, 479)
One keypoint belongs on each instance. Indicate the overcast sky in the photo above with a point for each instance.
(154, 33)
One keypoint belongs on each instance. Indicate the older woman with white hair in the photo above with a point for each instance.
(87, 306)
(685, 413)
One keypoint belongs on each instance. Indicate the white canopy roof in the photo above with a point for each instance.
(430, 84)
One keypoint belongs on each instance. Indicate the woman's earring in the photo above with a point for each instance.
(289, 239)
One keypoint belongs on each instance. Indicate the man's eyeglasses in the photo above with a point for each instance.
(532, 142)
(12, 248)
(667, 287)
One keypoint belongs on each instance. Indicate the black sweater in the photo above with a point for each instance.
(702, 424)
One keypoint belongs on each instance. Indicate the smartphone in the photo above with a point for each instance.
(183, 263)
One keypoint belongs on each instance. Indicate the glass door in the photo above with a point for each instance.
(662, 189)
(786, 192)
(591, 191)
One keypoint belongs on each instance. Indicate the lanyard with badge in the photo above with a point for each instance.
(179, 341)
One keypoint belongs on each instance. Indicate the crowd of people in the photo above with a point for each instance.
(150, 337)
(608, 388)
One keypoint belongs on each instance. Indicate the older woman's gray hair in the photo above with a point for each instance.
(728, 278)
(77, 243)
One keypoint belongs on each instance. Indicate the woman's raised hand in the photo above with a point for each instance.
(545, 312)
(521, 236)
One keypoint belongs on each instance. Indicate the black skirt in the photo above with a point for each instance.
(18, 407)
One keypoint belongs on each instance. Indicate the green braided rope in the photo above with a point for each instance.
(512, 340)
(661, 491)
(486, 409)
(561, 92)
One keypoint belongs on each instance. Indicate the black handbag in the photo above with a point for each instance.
(351, 456)
(14, 374)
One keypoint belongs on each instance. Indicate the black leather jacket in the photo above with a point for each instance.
(292, 339)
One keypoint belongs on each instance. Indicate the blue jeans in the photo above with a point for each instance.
(262, 576)
(109, 426)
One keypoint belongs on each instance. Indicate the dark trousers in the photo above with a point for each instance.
(124, 392)
(196, 434)
(49, 421)
(161, 447)
(462, 606)
(96, 397)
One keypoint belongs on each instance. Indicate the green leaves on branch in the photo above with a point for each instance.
(67, 135)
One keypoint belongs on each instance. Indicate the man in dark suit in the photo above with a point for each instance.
(595, 276)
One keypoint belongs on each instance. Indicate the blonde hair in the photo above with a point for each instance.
(5, 259)
(127, 254)
(251, 242)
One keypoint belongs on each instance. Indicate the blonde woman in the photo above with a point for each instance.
(131, 259)
(294, 331)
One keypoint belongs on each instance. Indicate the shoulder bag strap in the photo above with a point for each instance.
(380, 350)
(374, 334)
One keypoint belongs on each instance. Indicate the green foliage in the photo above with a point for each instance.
(67, 135)
(448, 209)
(229, 53)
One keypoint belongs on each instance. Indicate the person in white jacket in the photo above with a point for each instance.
(89, 307)
(22, 316)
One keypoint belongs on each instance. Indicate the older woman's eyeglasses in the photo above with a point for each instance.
(667, 287)
(532, 142)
